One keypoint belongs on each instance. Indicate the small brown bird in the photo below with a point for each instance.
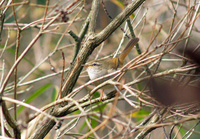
(99, 68)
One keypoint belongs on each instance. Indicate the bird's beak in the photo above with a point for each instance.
(85, 65)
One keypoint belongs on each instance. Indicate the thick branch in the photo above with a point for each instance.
(93, 16)
(117, 21)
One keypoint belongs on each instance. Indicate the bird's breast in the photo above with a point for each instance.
(97, 72)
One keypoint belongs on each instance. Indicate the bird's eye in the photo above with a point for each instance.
(94, 64)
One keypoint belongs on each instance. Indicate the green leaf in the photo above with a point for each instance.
(100, 108)
(42, 2)
(96, 95)
(182, 130)
(139, 86)
(34, 95)
(94, 123)
(54, 93)
(82, 127)
(120, 4)
(139, 115)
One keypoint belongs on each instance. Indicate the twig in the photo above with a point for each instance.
(2, 122)
(63, 56)
(10, 120)
(16, 56)
(2, 17)
(29, 106)
(80, 38)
